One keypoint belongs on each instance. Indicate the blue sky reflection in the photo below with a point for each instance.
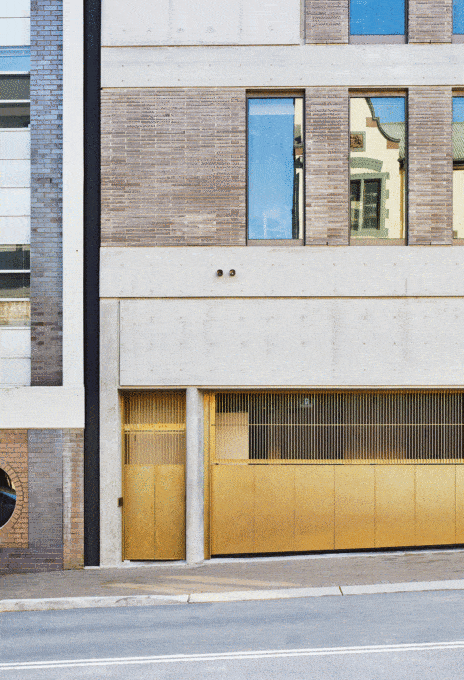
(377, 17)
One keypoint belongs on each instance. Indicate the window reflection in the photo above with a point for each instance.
(458, 16)
(377, 17)
(275, 168)
(377, 167)
(458, 167)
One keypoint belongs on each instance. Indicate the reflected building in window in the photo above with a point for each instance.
(378, 163)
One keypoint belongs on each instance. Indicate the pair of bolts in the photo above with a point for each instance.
(220, 272)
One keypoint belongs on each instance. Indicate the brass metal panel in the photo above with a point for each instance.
(354, 506)
(394, 505)
(274, 508)
(314, 507)
(232, 509)
(169, 512)
(459, 503)
(207, 402)
(139, 512)
(435, 504)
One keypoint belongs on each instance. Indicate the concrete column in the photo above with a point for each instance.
(194, 473)
(110, 436)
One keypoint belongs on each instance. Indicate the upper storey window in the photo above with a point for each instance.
(377, 21)
(275, 170)
(458, 17)
(377, 169)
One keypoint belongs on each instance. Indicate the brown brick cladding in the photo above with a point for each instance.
(327, 166)
(430, 21)
(73, 499)
(46, 191)
(13, 459)
(430, 160)
(173, 166)
(327, 21)
(46, 529)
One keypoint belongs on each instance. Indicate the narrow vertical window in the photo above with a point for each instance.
(275, 169)
(458, 18)
(377, 169)
(377, 20)
(458, 167)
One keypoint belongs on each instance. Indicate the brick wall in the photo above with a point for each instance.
(430, 160)
(327, 21)
(173, 167)
(13, 459)
(46, 192)
(73, 499)
(327, 166)
(430, 21)
(46, 529)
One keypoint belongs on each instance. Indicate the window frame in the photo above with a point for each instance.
(375, 38)
(276, 94)
(373, 240)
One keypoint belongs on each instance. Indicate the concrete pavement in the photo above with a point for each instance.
(142, 584)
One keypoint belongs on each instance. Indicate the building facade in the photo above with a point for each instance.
(280, 303)
(41, 329)
(281, 288)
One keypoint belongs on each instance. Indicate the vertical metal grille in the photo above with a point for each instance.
(154, 428)
(386, 427)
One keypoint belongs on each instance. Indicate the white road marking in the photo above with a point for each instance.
(234, 656)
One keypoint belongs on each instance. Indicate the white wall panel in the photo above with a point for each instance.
(208, 22)
(41, 407)
(15, 201)
(15, 32)
(15, 173)
(15, 372)
(291, 66)
(307, 342)
(15, 342)
(15, 144)
(14, 230)
(14, 8)
(282, 271)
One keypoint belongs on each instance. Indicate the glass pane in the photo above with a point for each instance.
(355, 186)
(15, 58)
(378, 167)
(458, 167)
(371, 204)
(377, 17)
(458, 16)
(14, 87)
(15, 313)
(14, 285)
(275, 168)
(15, 115)
(15, 257)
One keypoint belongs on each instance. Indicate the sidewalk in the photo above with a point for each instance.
(232, 579)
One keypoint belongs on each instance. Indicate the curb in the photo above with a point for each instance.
(62, 603)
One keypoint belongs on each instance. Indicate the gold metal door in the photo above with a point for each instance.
(321, 471)
(154, 476)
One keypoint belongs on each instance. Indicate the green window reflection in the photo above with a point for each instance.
(458, 167)
(377, 168)
(275, 168)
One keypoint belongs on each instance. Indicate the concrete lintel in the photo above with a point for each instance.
(42, 408)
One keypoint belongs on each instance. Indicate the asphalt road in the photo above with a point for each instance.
(368, 637)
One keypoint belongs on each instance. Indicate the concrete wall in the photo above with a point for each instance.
(351, 342)
(210, 22)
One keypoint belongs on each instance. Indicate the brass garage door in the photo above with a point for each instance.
(299, 471)
(154, 476)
